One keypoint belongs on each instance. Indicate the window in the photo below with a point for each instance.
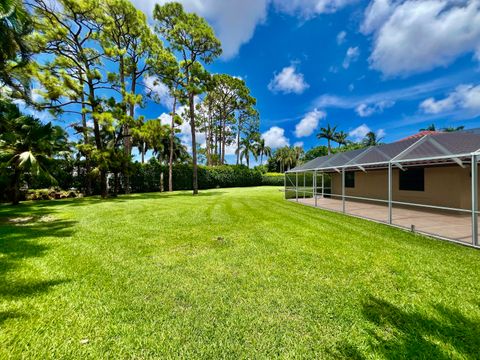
(412, 179)
(350, 179)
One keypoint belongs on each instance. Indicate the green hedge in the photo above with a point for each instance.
(146, 177)
(273, 179)
(143, 178)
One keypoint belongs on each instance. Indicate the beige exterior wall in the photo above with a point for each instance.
(444, 186)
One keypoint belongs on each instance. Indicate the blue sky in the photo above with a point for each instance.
(389, 66)
(392, 67)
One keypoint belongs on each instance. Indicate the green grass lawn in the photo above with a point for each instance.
(232, 273)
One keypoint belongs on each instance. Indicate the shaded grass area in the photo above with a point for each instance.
(232, 273)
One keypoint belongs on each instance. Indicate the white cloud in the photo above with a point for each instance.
(310, 8)
(464, 97)
(185, 131)
(42, 115)
(288, 81)
(381, 133)
(414, 92)
(431, 106)
(36, 95)
(351, 56)
(234, 21)
(341, 37)
(333, 69)
(351, 87)
(359, 132)
(376, 14)
(159, 91)
(298, 144)
(275, 137)
(365, 110)
(415, 36)
(309, 123)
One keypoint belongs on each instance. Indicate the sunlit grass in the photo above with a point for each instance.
(232, 273)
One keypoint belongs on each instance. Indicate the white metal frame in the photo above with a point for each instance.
(398, 162)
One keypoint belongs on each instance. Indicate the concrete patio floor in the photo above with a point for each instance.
(446, 224)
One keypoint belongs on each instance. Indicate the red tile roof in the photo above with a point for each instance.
(420, 134)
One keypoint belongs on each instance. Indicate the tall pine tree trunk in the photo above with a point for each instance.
(172, 138)
(224, 140)
(128, 133)
(86, 141)
(96, 132)
(238, 145)
(207, 136)
(194, 144)
(216, 145)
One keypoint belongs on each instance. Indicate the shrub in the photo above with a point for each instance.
(273, 179)
(146, 177)
(51, 194)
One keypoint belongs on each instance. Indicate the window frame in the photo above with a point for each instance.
(415, 183)
(350, 182)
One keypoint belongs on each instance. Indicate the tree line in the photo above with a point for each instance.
(87, 61)
(288, 157)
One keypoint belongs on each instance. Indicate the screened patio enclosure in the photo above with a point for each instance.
(428, 185)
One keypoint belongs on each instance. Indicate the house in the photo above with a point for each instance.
(425, 183)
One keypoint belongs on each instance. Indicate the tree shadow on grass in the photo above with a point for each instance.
(45, 206)
(413, 334)
(25, 233)
(165, 195)
(15, 290)
(6, 315)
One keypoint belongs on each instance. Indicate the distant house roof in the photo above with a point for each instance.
(420, 134)
(432, 147)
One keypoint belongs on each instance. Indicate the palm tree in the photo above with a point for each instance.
(154, 136)
(298, 151)
(263, 149)
(430, 127)
(327, 133)
(278, 155)
(27, 145)
(341, 138)
(371, 139)
(15, 25)
(453, 128)
(288, 157)
(292, 156)
(279, 158)
(248, 145)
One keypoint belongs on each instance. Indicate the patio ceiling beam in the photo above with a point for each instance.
(296, 186)
(446, 152)
(474, 192)
(410, 148)
(289, 180)
(429, 158)
(383, 154)
(359, 156)
(398, 165)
